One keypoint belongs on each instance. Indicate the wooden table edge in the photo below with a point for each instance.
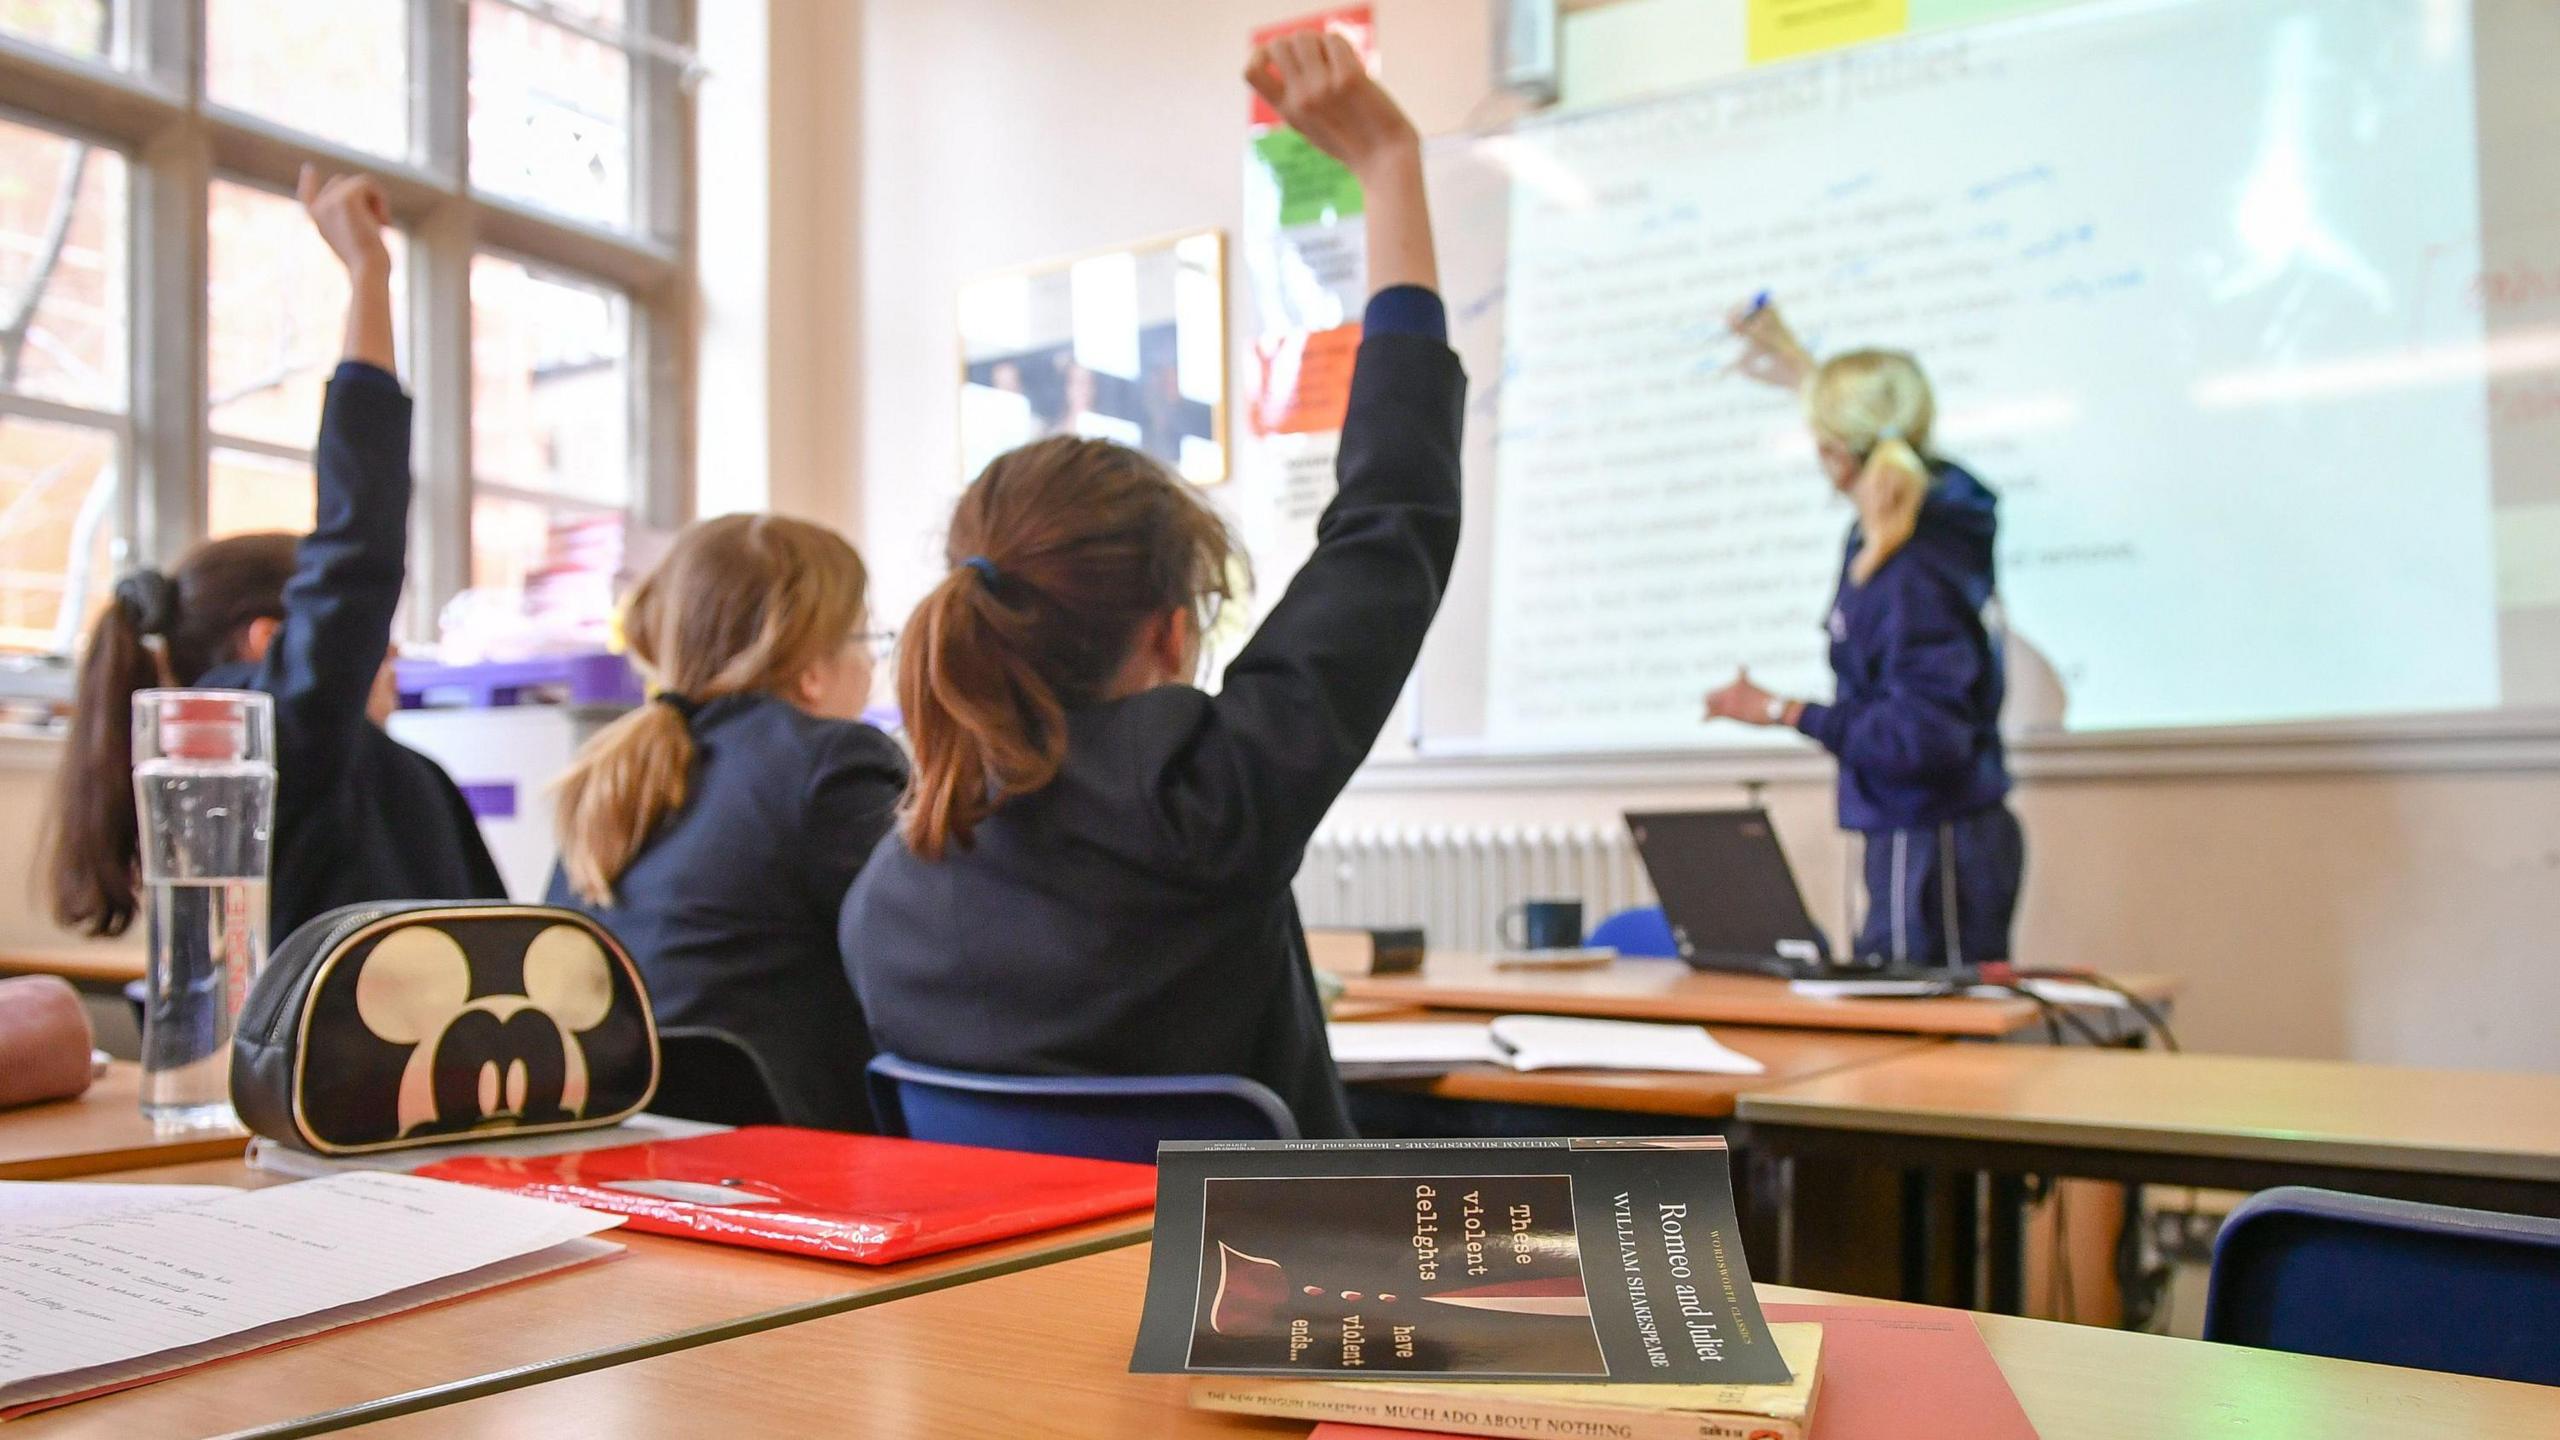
(218, 1146)
(431, 1397)
(1776, 1109)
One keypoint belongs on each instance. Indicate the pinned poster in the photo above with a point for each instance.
(1780, 29)
(1302, 382)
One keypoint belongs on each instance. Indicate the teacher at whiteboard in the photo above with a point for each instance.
(1915, 716)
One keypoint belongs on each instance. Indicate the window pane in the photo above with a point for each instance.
(337, 68)
(247, 492)
(564, 561)
(276, 311)
(550, 116)
(62, 237)
(83, 27)
(57, 531)
(550, 398)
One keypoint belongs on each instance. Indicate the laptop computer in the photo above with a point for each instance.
(1729, 894)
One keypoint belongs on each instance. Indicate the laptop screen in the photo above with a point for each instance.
(1726, 888)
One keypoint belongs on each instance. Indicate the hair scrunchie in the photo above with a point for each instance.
(986, 568)
(149, 600)
(685, 706)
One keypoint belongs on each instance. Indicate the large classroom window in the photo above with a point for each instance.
(168, 321)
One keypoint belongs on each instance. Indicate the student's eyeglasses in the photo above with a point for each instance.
(881, 643)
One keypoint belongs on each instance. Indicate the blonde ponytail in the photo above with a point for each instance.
(742, 604)
(1877, 403)
(1888, 492)
(624, 782)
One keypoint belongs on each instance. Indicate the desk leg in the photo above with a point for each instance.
(2005, 1237)
(1919, 1197)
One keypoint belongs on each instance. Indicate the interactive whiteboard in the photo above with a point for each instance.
(2248, 309)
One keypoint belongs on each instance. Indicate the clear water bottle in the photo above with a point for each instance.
(204, 784)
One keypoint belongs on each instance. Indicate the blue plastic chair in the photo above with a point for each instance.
(1644, 930)
(2431, 1287)
(1099, 1117)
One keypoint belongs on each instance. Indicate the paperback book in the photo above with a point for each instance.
(1598, 1260)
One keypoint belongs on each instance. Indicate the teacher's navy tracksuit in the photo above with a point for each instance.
(1916, 727)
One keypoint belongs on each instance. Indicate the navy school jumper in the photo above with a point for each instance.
(730, 907)
(1135, 917)
(1915, 723)
(359, 816)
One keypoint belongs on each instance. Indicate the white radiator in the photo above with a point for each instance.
(1455, 882)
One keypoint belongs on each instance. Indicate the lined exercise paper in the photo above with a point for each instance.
(101, 1302)
(29, 1203)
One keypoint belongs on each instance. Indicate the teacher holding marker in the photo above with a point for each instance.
(1915, 716)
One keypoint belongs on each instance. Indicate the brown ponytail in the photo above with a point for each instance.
(741, 604)
(1061, 552)
(160, 630)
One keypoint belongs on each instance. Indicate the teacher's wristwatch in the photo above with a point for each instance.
(1777, 710)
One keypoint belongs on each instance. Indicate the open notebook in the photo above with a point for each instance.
(1391, 1049)
(132, 1295)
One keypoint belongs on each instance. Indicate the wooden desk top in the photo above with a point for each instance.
(1060, 1336)
(101, 1131)
(79, 964)
(661, 1294)
(1638, 989)
(1792, 1057)
(2457, 1122)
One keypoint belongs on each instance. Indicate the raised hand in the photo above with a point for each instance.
(1771, 354)
(1317, 83)
(350, 212)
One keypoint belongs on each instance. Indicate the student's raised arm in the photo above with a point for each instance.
(336, 628)
(1303, 703)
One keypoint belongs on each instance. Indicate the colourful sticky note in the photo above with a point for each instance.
(1783, 28)
(1314, 188)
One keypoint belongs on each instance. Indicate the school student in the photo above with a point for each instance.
(359, 816)
(1915, 720)
(1092, 874)
(716, 828)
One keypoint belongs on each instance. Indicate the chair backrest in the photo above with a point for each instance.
(1100, 1117)
(2430, 1287)
(1644, 930)
(710, 1075)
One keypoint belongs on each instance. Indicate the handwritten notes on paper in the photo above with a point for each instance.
(97, 1304)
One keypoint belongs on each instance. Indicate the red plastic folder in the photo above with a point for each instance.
(860, 1198)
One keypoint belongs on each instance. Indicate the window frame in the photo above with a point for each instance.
(153, 110)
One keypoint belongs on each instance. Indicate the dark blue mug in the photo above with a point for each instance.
(1542, 925)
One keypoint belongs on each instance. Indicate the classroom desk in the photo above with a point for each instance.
(2490, 1141)
(1643, 989)
(101, 1131)
(1059, 1337)
(1792, 1057)
(2225, 1121)
(663, 1294)
(92, 966)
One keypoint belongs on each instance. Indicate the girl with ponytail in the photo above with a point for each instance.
(716, 828)
(359, 816)
(1915, 718)
(1091, 876)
